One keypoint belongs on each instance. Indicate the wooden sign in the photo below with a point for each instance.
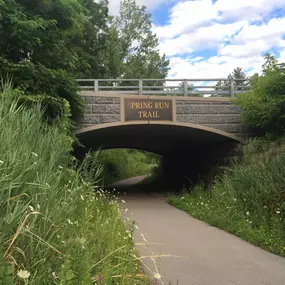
(148, 109)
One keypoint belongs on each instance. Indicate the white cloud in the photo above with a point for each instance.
(203, 38)
(213, 67)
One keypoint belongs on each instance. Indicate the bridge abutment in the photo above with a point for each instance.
(184, 169)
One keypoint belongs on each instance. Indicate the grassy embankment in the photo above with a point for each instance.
(54, 228)
(247, 200)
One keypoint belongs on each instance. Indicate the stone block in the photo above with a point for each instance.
(211, 119)
(90, 119)
(205, 109)
(88, 109)
(229, 109)
(183, 109)
(110, 118)
(229, 128)
(233, 119)
(106, 109)
(187, 119)
(100, 100)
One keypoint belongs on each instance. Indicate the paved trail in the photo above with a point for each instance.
(207, 255)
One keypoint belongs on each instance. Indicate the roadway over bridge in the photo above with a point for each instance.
(161, 117)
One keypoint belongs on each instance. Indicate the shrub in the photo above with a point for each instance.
(264, 104)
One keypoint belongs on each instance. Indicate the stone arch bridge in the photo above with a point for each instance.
(188, 130)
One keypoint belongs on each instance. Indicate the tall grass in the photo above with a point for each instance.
(53, 228)
(248, 199)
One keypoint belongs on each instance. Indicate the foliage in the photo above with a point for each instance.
(132, 46)
(36, 48)
(125, 163)
(46, 44)
(248, 200)
(264, 104)
(53, 226)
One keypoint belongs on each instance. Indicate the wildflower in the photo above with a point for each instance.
(31, 208)
(235, 199)
(278, 212)
(24, 274)
(157, 275)
(247, 213)
(182, 197)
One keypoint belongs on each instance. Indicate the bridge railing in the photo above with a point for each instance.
(174, 87)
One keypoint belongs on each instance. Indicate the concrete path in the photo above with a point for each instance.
(201, 254)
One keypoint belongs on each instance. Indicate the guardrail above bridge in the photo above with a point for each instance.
(175, 87)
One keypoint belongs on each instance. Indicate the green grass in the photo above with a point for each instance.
(247, 200)
(52, 224)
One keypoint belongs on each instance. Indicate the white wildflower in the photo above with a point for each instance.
(31, 208)
(247, 213)
(278, 212)
(157, 276)
(24, 274)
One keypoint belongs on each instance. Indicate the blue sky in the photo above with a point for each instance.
(208, 38)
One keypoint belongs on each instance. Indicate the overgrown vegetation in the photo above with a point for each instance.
(46, 44)
(248, 199)
(120, 164)
(54, 228)
(264, 104)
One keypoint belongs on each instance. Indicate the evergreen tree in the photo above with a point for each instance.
(238, 73)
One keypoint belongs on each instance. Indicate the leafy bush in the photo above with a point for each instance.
(264, 104)
(54, 228)
(248, 199)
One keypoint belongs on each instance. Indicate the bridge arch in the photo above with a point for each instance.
(159, 137)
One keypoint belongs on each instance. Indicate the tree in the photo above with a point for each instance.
(37, 51)
(264, 103)
(270, 65)
(133, 46)
(238, 73)
(91, 46)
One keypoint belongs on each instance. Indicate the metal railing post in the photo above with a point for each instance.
(185, 85)
(140, 87)
(232, 88)
(96, 85)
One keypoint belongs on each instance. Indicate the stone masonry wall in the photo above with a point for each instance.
(100, 110)
(223, 116)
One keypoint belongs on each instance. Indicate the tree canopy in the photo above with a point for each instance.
(46, 44)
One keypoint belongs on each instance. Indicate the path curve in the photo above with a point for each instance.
(207, 255)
